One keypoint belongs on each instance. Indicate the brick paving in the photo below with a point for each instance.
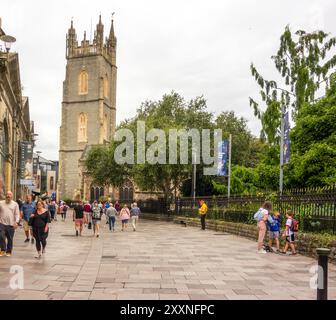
(160, 260)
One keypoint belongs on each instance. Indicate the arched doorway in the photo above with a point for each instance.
(126, 192)
(96, 193)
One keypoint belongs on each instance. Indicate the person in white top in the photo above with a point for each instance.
(264, 214)
(9, 219)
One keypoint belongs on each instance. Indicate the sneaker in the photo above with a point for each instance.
(2, 253)
(8, 254)
(262, 251)
(32, 240)
(27, 240)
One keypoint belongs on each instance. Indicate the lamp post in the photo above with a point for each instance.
(38, 169)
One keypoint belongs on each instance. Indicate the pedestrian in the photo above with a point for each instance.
(27, 209)
(79, 218)
(9, 220)
(203, 212)
(64, 209)
(39, 221)
(289, 233)
(261, 216)
(273, 224)
(135, 212)
(111, 213)
(117, 205)
(106, 206)
(52, 209)
(96, 217)
(124, 217)
(87, 213)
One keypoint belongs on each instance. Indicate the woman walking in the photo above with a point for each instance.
(261, 216)
(39, 221)
(124, 217)
(96, 217)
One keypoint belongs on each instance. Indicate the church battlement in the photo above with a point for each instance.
(99, 46)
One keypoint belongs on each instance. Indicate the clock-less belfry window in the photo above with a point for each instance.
(82, 127)
(83, 83)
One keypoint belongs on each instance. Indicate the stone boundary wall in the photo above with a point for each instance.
(306, 243)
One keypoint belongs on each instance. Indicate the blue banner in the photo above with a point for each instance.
(223, 154)
(286, 147)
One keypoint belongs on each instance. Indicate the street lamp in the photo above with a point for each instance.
(8, 40)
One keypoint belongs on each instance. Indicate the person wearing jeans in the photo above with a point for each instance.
(135, 212)
(111, 213)
(9, 219)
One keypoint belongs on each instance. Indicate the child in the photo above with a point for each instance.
(274, 230)
(289, 233)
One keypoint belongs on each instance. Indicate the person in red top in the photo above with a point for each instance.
(87, 213)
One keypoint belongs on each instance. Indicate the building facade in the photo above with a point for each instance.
(89, 105)
(15, 124)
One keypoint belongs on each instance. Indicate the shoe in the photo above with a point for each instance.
(27, 240)
(43, 251)
(262, 251)
(294, 254)
(8, 254)
(32, 240)
(2, 253)
(283, 252)
(76, 233)
(39, 256)
(97, 235)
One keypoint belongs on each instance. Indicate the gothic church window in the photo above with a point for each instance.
(83, 83)
(82, 128)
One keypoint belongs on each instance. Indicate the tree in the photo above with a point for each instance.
(241, 136)
(305, 63)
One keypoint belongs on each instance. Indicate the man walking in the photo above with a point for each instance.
(202, 212)
(27, 210)
(9, 219)
(135, 212)
(111, 213)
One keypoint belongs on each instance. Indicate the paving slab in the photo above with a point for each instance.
(161, 260)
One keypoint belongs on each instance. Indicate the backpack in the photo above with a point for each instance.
(259, 215)
(295, 225)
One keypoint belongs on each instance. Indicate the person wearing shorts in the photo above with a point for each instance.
(79, 218)
(87, 213)
(96, 217)
(273, 225)
(124, 217)
(289, 233)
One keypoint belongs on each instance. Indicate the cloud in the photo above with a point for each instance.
(192, 47)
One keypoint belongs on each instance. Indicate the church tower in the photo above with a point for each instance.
(89, 103)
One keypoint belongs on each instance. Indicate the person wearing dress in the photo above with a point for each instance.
(39, 221)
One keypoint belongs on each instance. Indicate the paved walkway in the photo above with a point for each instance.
(158, 261)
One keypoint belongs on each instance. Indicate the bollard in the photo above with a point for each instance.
(322, 291)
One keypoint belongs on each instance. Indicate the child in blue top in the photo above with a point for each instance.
(273, 225)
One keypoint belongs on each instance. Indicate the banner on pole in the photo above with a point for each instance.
(223, 153)
(286, 147)
(26, 163)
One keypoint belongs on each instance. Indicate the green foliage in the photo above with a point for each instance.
(305, 63)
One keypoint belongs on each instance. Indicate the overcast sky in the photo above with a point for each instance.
(193, 47)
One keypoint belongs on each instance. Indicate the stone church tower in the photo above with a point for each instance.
(89, 104)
